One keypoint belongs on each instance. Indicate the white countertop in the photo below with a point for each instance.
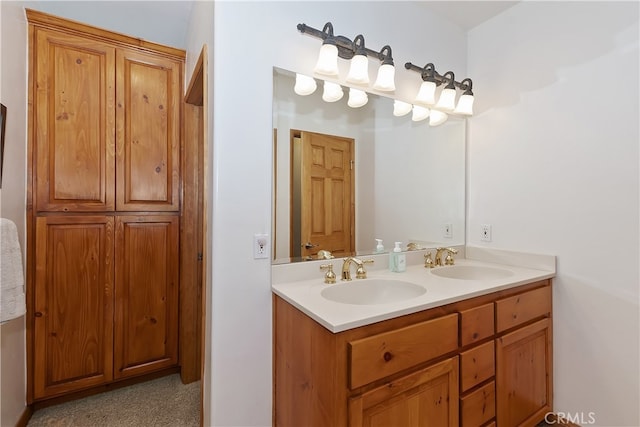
(337, 317)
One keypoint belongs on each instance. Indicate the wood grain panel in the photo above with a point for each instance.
(381, 355)
(74, 111)
(476, 324)
(73, 310)
(146, 294)
(476, 365)
(308, 380)
(428, 397)
(148, 132)
(519, 309)
(479, 406)
(523, 375)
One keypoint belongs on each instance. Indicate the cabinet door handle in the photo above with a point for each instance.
(38, 314)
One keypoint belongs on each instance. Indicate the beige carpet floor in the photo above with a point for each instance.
(163, 402)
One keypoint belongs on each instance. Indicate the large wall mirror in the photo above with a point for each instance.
(408, 178)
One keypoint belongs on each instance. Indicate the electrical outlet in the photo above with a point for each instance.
(486, 232)
(260, 246)
(447, 230)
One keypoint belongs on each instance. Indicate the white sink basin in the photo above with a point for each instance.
(372, 291)
(471, 272)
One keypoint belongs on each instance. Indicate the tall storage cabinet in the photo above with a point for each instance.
(103, 206)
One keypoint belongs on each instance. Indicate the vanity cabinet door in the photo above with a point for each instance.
(428, 397)
(523, 375)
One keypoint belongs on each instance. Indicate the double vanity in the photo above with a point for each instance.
(467, 344)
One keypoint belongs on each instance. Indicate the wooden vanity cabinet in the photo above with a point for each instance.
(103, 206)
(462, 364)
(403, 369)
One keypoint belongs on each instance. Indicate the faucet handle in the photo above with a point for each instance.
(428, 261)
(449, 258)
(329, 276)
(360, 271)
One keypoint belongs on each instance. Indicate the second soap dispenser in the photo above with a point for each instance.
(397, 259)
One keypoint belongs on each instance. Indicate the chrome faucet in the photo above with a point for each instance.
(448, 259)
(360, 272)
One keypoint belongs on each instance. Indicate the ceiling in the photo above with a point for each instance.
(468, 14)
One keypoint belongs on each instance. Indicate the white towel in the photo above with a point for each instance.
(12, 300)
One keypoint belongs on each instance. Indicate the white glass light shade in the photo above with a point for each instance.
(447, 100)
(465, 105)
(437, 118)
(332, 92)
(427, 93)
(357, 98)
(401, 108)
(327, 60)
(386, 78)
(359, 71)
(305, 85)
(419, 113)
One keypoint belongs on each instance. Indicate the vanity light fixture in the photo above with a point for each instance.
(401, 108)
(447, 99)
(357, 98)
(431, 79)
(420, 113)
(334, 47)
(328, 58)
(332, 92)
(359, 71)
(465, 103)
(305, 85)
(386, 73)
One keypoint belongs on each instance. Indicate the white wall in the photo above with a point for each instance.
(13, 94)
(251, 38)
(199, 37)
(553, 166)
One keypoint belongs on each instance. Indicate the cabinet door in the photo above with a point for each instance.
(73, 306)
(148, 132)
(74, 123)
(523, 375)
(146, 325)
(428, 397)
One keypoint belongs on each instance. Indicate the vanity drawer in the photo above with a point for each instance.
(519, 309)
(476, 324)
(478, 407)
(477, 365)
(381, 355)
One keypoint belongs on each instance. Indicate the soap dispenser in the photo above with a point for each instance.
(397, 259)
(379, 246)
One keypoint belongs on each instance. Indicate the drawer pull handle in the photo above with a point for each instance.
(387, 356)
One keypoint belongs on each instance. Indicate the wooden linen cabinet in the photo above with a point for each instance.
(103, 206)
